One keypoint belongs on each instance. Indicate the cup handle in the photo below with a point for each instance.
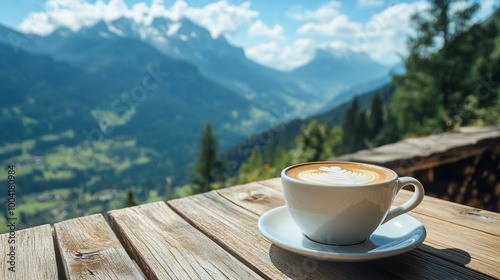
(414, 201)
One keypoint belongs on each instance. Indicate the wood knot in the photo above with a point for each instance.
(86, 255)
(476, 214)
(252, 195)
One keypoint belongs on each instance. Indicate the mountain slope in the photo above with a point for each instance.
(333, 74)
(55, 110)
(284, 134)
(32, 85)
(354, 91)
(16, 40)
(122, 58)
(96, 53)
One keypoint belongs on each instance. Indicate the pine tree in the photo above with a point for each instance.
(251, 170)
(375, 120)
(205, 167)
(483, 102)
(268, 154)
(361, 130)
(130, 201)
(437, 69)
(355, 129)
(349, 128)
(23, 218)
(382, 128)
(312, 141)
(334, 140)
(281, 159)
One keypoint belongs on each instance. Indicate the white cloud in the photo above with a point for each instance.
(383, 37)
(338, 45)
(339, 48)
(323, 13)
(72, 14)
(370, 3)
(260, 29)
(220, 18)
(280, 56)
(37, 23)
(324, 21)
(486, 9)
(457, 6)
(339, 25)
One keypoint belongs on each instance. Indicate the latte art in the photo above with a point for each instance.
(339, 174)
(336, 175)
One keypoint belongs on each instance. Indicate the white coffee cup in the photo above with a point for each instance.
(343, 203)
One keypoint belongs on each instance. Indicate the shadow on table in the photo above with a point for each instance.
(425, 262)
(459, 256)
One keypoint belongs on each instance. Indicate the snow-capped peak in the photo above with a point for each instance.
(116, 31)
(173, 28)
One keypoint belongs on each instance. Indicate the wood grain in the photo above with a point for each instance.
(462, 215)
(90, 250)
(254, 197)
(475, 250)
(167, 247)
(235, 229)
(273, 183)
(34, 254)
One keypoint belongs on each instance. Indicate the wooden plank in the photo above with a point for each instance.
(465, 216)
(90, 250)
(474, 249)
(34, 254)
(254, 197)
(167, 247)
(235, 229)
(273, 183)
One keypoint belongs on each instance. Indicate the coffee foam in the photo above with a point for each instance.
(339, 174)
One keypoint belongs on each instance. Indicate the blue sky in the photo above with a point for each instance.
(279, 34)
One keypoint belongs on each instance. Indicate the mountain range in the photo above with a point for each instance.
(73, 98)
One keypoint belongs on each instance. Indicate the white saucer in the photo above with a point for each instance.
(397, 236)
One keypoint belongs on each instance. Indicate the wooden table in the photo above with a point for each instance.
(215, 236)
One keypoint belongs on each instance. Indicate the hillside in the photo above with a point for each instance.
(284, 134)
(332, 74)
(76, 127)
